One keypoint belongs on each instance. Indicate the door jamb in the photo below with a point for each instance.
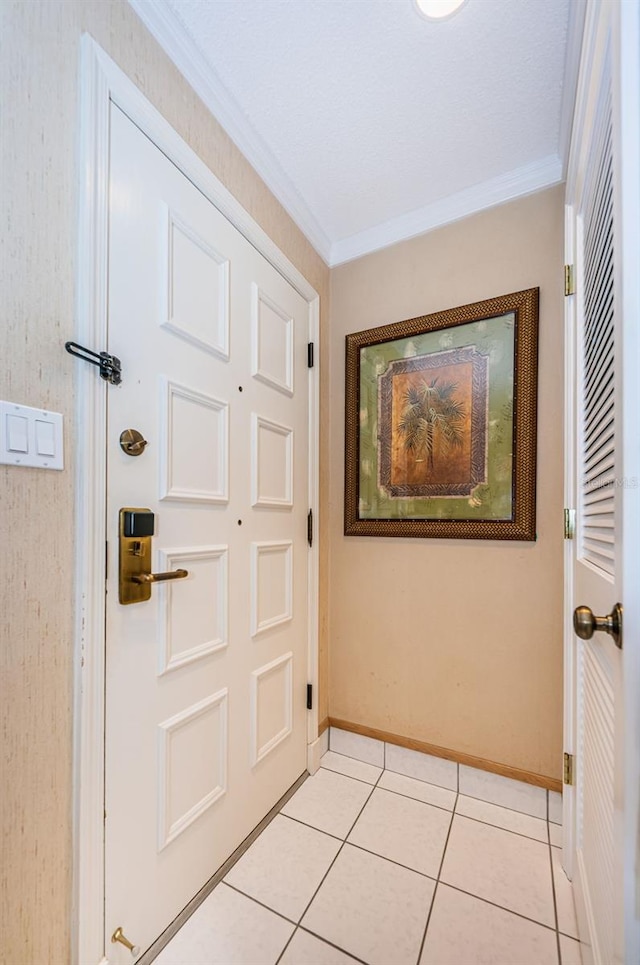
(102, 81)
(570, 494)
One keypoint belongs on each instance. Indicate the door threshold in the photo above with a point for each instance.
(154, 950)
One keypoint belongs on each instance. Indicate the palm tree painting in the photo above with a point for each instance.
(433, 420)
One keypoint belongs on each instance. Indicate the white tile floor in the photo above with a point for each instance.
(367, 865)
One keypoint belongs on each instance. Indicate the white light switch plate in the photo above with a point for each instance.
(30, 437)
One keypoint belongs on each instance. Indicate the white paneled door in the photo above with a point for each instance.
(602, 475)
(205, 681)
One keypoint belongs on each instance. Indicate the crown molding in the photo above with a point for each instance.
(177, 43)
(573, 53)
(506, 187)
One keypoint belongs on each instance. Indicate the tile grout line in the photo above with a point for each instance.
(553, 891)
(399, 793)
(439, 807)
(257, 901)
(218, 878)
(352, 758)
(298, 925)
(422, 873)
(334, 837)
(287, 943)
(326, 941)
(435, 890)
(325, 767)
(510, 911)
(324, 877)
(499, 827)
(383, 857)
(445, 788)
(505, 806)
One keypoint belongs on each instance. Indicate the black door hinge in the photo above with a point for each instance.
(310, 355)
(310, 528)
(309, 696)
(109, 365)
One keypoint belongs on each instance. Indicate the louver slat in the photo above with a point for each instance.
(597, 530)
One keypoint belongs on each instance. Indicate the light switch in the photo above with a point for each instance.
(45, 438)
(17, 433)
(30, 437)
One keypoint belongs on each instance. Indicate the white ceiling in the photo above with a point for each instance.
(371, 124)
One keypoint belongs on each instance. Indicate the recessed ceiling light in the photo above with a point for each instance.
(438, 9)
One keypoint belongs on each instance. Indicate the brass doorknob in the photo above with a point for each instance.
(585, 623)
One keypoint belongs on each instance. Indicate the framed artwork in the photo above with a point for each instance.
(441, 423)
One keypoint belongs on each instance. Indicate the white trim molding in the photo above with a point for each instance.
(575, 31)
(102, 83)
(177, 43)
(506, 187)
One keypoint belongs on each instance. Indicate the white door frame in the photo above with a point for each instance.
(626, 105)
(102, 81)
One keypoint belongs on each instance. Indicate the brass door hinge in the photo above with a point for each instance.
(569, 523)
(569, 280)
(568, 769)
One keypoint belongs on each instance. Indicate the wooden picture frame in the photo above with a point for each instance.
(441, 421)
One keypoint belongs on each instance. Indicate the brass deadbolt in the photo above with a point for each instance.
(132, 442)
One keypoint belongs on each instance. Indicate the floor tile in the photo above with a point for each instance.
(372, 908)
(567, 922)
(228, 929)
(555, 835)
(403, 830)
(329, 802)
(350, 767)
(306, 949)
(440, 797)
(505, 868)
(503, 791)
(284, 866)
(555, 807)
(466, 930)
(515, 821)
(570, 951)
(423, 767)
(356, 745)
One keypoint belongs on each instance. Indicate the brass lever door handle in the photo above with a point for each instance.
(585, 623)
(159, 577)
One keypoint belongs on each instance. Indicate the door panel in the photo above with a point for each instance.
(597, 466)
(206, 682)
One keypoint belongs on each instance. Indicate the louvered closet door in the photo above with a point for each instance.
(597, 543)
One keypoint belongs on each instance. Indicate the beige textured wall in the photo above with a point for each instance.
(456, 643)
(39, 68)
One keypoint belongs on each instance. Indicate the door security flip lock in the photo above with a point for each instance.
(109, 365)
